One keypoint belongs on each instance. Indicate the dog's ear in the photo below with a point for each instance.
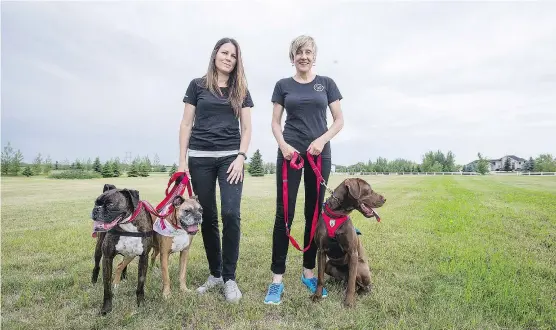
(177, 201)
(353, 187)
(132, 196)
(194, 197)
(108, 187)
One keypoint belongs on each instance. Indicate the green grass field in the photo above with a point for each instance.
(450, 253)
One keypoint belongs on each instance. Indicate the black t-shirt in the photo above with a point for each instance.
(216, 128)
(305, 106)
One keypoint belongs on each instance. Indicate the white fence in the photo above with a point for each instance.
(523, 173)
(406, 173)
(444, 173)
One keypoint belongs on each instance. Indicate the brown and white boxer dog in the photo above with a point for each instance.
(173, 234)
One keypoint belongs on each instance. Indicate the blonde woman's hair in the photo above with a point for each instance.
(300, 42)
(237, 83)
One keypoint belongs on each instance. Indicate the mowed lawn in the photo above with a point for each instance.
(450, 253)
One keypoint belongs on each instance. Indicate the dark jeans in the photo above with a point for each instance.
(204, 173)
(280, 240)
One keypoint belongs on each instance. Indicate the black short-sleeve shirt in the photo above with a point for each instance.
(216, 128)
(305, 106)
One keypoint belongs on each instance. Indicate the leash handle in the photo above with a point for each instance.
(181, 182)
(179, 178)
(294, 161)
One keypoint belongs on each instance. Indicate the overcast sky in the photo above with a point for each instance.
(105, 78)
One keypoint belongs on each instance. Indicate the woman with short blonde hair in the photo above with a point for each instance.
(305, 97)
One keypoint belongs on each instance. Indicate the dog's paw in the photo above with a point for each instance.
(107, 308)
(185, 289)
(115, 287)
(349, 302)
(316, 297)
(365, 289)
(166, 294)
(140, 299)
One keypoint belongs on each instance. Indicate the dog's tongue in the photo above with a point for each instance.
(370, 211)
(376, 215)
(192, 229)
(103, 226)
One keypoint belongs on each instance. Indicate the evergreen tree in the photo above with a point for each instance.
(116, 172)
(173, 169)
(56, 165)
(256, 166)
(27, 171)
(78, 165)
(97, 167)
(143, 169)
(37, 165)
(16, 163)
(147, 166)
(107, 171)
(7, 157)
(507, 165)
(530, 166)
(133, 170)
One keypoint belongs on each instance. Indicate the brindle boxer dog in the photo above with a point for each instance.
(186, 218)
(98, 247)
(347, 260)
(134, 238)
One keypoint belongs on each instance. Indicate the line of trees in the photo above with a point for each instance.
(432, 161)
(12, 164)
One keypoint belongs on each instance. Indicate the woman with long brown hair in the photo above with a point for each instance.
(212, 148)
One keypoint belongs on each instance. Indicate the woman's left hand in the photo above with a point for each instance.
(236, 170)
(315, 148)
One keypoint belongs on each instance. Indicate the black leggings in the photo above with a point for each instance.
(280, 240)
(204, 173)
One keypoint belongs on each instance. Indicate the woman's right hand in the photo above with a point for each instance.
(183, 168)
(287, 151)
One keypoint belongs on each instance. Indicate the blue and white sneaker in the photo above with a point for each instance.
(274, 294)
(311, 284)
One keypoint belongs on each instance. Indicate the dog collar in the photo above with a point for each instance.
(131, 234)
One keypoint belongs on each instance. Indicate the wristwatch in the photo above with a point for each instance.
(243, 154)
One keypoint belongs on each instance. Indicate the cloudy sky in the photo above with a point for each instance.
(81, 79)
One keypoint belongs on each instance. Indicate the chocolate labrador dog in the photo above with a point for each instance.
(337, 239)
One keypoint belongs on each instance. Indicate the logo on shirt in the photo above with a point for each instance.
(318, 87)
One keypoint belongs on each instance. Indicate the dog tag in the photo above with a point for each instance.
(332, 222)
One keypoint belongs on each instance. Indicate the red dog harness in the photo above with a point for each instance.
(332, 221)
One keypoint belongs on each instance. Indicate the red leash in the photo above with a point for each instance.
(297, 166)
(178, 189)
